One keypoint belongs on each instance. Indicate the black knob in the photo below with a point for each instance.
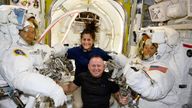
(189, 53)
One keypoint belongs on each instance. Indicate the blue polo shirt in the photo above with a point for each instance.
(82, 57)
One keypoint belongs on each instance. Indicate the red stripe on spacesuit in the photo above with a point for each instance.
(159, 68)
(187, 45)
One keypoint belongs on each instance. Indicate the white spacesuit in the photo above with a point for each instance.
(150, 74)
(182, 65)
(178, 12)
(19, 65)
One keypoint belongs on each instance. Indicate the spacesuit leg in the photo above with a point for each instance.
(6, 102)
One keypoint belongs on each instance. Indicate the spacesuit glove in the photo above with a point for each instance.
(136, 78)
(60, 49)
(128, 70)
(133, 64)
(58, 96)
(119, 59)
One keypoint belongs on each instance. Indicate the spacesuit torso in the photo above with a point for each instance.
(24, 75)
(10, 63)
(154, 82)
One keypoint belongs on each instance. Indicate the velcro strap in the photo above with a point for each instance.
(183, 86)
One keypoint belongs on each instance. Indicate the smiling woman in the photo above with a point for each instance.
(88, 35)
(82, 53)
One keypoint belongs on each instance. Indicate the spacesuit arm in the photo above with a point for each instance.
(37, 84)
(151, 84)
(57, 51)
(120, 59)
(60, 49)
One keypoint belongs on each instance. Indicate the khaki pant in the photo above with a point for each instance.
(76, 98)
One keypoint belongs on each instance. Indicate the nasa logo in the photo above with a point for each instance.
(19, 52)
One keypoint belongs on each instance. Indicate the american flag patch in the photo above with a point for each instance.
(187, 45)
(159, 68)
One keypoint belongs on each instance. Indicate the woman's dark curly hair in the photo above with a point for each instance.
(90, 28)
